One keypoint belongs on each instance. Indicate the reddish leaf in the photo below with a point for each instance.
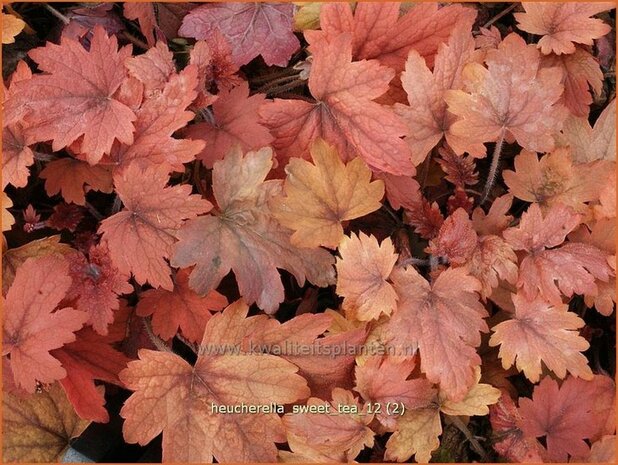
(567, 415)
(12, 259)
(31, 327)
(235, 122)
(385, 379)
(331, 362)
(65, 216)
(17, 156)
(157, 20)
(444, 321)
(343, 114)
(513, 444)
(425, 217)
(69, 177)
(493, 260)
(217, 71)
(379, 33)
(244, 237)
(83, 20)
(97, 283)
(562, 24)
(456, 239)
(74, 97)
(90, 357)
(459, 170)
(539, 332)
(401, 191)
(140, 237)
(251, 28)
(182, 309)
(550, 272)
(512, 97)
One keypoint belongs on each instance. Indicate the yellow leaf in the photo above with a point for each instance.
(476, 401)
(320, 196)
(38, 427)
(7, 217)
(307, 15)
(362, 273)
(11, 26)
(418, 433)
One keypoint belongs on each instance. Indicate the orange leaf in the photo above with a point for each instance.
(178, 399)
(140, 237)
(362, 273)
(16, 155)
(444, 321)
(426, 115)
(320, 196)
(587, 143)
(344, 113)
(180, 309)
(69, 177)
(562, 24)
(554, 179)
(244, 237)
(496, 219)
(74, 97)
(235, 123)
(579, 69)
(379, 33)
(540, 332)
(154, 68)
(32, 328)
(157, 119)
(513, 96)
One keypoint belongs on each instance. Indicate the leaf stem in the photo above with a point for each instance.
(56, 13)
(415, 261)
(134, 40)
(493, 169)
(500, 15)
(93, 211)
(473, 441)
(285, 87)
(156, 340)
